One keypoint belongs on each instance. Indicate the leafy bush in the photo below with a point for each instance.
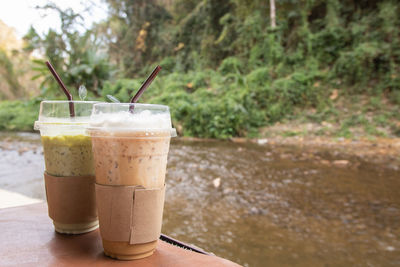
(168, 64)
(226, 71)
(18, 115)
(231, 65)
(258, 77)
(122, 89)
(360, 64)
(329, 42)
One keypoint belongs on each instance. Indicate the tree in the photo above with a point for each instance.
(78, 57)
(15, 69)
(7, 73)
(133, 32)
(272, 13)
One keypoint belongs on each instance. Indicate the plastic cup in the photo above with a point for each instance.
(69, 170)
(130, 148)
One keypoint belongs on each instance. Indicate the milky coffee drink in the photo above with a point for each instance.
(130, 148)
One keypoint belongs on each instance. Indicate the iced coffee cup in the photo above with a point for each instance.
(69, 170)
(130, 148)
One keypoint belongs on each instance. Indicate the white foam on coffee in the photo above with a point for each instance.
(143, 120)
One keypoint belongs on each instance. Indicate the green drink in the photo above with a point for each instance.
(68, 155)
(69, 173)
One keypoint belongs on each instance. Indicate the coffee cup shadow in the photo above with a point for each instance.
(80, 249)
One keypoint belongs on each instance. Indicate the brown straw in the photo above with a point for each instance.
(144, 86)
(63, 87)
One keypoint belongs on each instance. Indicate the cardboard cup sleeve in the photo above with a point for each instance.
(71, 200)
(130, 213)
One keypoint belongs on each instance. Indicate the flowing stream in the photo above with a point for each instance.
(259, 205)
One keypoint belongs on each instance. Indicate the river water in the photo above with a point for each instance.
(260, 205)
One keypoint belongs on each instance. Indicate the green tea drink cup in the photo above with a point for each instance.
(69, 170)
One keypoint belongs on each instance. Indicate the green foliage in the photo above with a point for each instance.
(168, 64)
(226, 72)
(208, 104)
(74, 55)
(395, 97)
(135, 34)
(259, 77)
(329, 42)
(231, 65)
(7, 72)
(18, 115)
(122, 89)
(357, 66)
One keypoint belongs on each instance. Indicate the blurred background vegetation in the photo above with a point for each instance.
(228, 71)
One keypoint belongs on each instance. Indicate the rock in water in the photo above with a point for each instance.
(341, 163)
(217, 182)
(262, 141)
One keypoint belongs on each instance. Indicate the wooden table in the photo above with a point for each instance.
(27, 238)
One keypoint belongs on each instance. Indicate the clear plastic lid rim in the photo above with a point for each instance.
(38, 125)
(109, 132)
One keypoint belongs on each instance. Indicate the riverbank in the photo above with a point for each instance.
(383, 151)
(342, 116)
